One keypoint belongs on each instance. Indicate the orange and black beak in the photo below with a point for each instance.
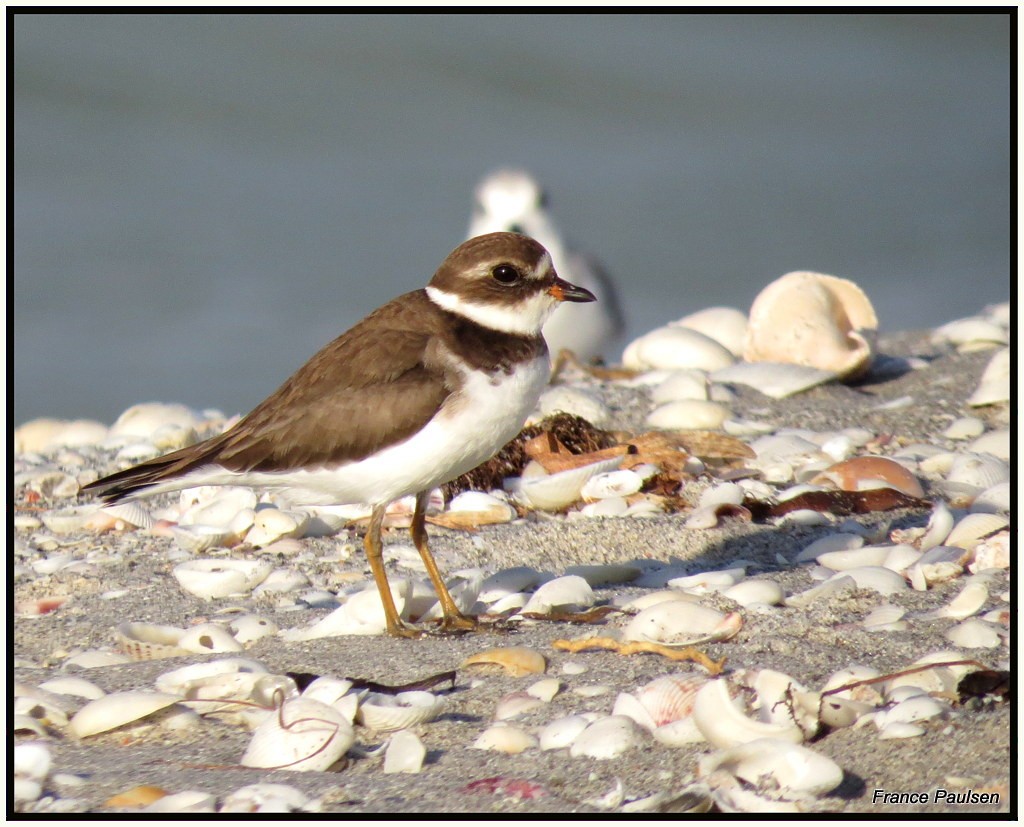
(565, 292)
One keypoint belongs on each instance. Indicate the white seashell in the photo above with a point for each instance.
(510, 603)
(361, 614)
(974, 473)
(389, 713)
(974, 527)
(44, 435)
(966, 427)
(184, 680)
(250, 628)
(604, 575)
(217, 509)
(885, 618)
(490, 508)
(553, 492)
(775, 379)
(790, 768)
(271, 524)
(608, 507)
(545, 689)
(463, 587)
(702, 518)
(302, 735)
(680, 623)
(149, 641)
(562, 732)
(750, 592)
(993, 500)
(939, 526)
(996, 443)
(785, 446)
(969, 602)
(571, 593)
(707, 581)
(515, 704)
(812, 319)
(75, 687)
(141, 421)
(723, 724)
(281, 581)
(993, 553)
(727, 493)
(900, 729)
(93, 658)
(505, 738)
(726, 325)
(917, 708)
(855, 558)
(836, 712)
(214, 578)
(994, 385)
(405, 753)
(199, 538)
(189, 801)
(509, 581)
(676, 348)
(679, 385)
(877, 578)
(574, 401)
(971, 330)
(265, 798)
(606, 738)
(645, 601)
(69, 520)
(128, 513)
(901, 557)
(611, 484)
(828, 543)
(117, 709)
(975, 634)
(688, 414)
(31, 765)
(206, 638)
(594, 690)
(669, 698)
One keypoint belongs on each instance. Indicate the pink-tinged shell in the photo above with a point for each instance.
(670, 698)
(813, 319)
(865, 473)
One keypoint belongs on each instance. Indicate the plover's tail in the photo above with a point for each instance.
(155, 472)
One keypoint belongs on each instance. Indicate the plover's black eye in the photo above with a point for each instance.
(505, 274)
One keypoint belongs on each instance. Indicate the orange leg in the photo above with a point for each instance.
(374, 554)
(453, 618)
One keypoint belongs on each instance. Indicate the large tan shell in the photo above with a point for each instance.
(813, 319)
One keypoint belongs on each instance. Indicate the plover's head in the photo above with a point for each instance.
(508, 198)
(503, 281)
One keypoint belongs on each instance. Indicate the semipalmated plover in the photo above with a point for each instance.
(422, 390)
(510, 200)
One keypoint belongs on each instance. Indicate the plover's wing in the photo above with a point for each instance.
(371, 387)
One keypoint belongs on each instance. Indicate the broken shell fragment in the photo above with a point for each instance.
(813, 319)
(562, 731)
(791, 768)
(722, 722)
(405, 753)
(553, 492)
(150, 641)
(515, 660)
(866, 473)
(570, 593)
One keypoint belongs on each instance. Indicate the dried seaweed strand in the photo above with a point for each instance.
(633, 648)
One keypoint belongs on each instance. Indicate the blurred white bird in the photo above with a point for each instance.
(510, 200)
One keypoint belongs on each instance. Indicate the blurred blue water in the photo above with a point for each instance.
(202, 201)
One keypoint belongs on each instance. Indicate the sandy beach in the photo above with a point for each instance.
(965, 751)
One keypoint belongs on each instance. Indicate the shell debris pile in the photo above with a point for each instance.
(888, 552)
